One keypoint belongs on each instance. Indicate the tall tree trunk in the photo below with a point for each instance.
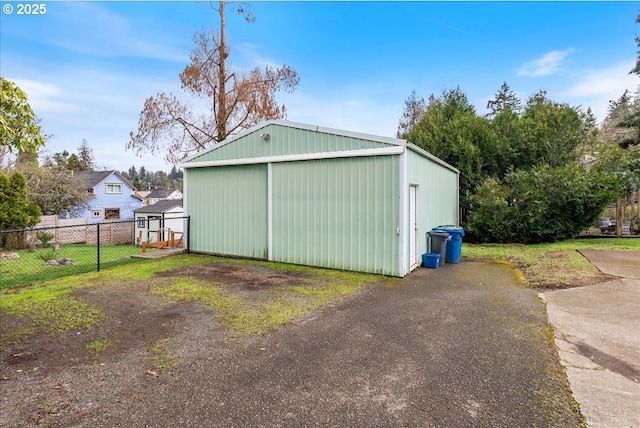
(221, 120)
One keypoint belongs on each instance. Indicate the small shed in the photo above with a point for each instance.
(309, 195)
(157, 221)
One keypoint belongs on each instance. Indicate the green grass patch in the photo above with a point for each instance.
(552, 265)
(192, 289)
(160, 357)
(263, 317)
(99, 345)
(282, 304)
(30, 268)
(51, 306)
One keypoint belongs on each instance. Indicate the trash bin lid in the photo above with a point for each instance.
(440, 234)
(450, 229)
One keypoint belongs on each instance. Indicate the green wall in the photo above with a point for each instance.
(338, 213)
(437, 194)
(228, 209)
(285, 140)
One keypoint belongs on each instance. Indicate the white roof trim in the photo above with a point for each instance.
(313, 128)
(384, 151)
(428, 155)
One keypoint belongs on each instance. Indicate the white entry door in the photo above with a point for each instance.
(413, 226)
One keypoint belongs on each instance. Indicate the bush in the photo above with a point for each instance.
(540, 205)
(45, 238)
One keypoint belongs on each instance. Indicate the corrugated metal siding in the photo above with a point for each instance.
(437, 194)
(228, 209)
(337, 213)
(285, 140)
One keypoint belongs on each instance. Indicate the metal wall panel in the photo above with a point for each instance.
(337, 213)
(284, 140)
(437, 195)
(228, 209)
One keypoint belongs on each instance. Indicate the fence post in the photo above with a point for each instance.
(188, 240)
(98, 243)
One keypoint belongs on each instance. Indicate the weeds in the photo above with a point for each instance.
(160, 357)
(99, 345)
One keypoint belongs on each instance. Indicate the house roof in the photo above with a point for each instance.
(161, 206)
(93, 178)
(160, 193)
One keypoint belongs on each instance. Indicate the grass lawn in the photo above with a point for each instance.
(30, 268)
(52, 306)
(554, 265)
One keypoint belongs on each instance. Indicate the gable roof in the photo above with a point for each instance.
(301, 144)
(93, 178)
(161, 206)
(301, 139)
(160, 193)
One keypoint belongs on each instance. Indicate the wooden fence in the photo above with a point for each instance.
(80, 231)
(112, 233)
(64, 230)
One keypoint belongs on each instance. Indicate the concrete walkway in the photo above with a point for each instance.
(597, 334)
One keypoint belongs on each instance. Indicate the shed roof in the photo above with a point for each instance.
(303, 146)
(161, 206)
(160, 192)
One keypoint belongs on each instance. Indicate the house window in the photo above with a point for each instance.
(141, 222)
(96, 213)
(112, 213)
(113, 188)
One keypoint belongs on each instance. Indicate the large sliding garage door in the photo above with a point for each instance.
(228, 209)
(337, 213)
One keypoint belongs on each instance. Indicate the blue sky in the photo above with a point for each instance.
(87, 67)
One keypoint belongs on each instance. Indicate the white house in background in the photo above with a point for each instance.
(164, 216)
(161, 194)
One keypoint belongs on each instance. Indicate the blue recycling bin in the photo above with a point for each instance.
(454, 244)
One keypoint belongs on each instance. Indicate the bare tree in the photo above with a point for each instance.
(236, 101)
(53, 188)
(414, 108)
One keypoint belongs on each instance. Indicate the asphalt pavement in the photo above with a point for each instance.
(457, 346)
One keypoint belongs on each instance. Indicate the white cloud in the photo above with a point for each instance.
(350, 112)
(89, 28)
(546, 65)
(610, 80)
(596, 87)
(76, 103)
(43, 96)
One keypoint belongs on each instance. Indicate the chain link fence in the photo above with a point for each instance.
(58, 248)
(627, 211)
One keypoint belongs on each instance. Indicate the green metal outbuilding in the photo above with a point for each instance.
(309, 195)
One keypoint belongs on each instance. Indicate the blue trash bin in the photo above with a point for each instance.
(454, 244)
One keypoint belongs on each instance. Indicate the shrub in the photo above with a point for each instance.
(540, 205)
(45, 238)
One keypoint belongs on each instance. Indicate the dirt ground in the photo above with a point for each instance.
(55, 379)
